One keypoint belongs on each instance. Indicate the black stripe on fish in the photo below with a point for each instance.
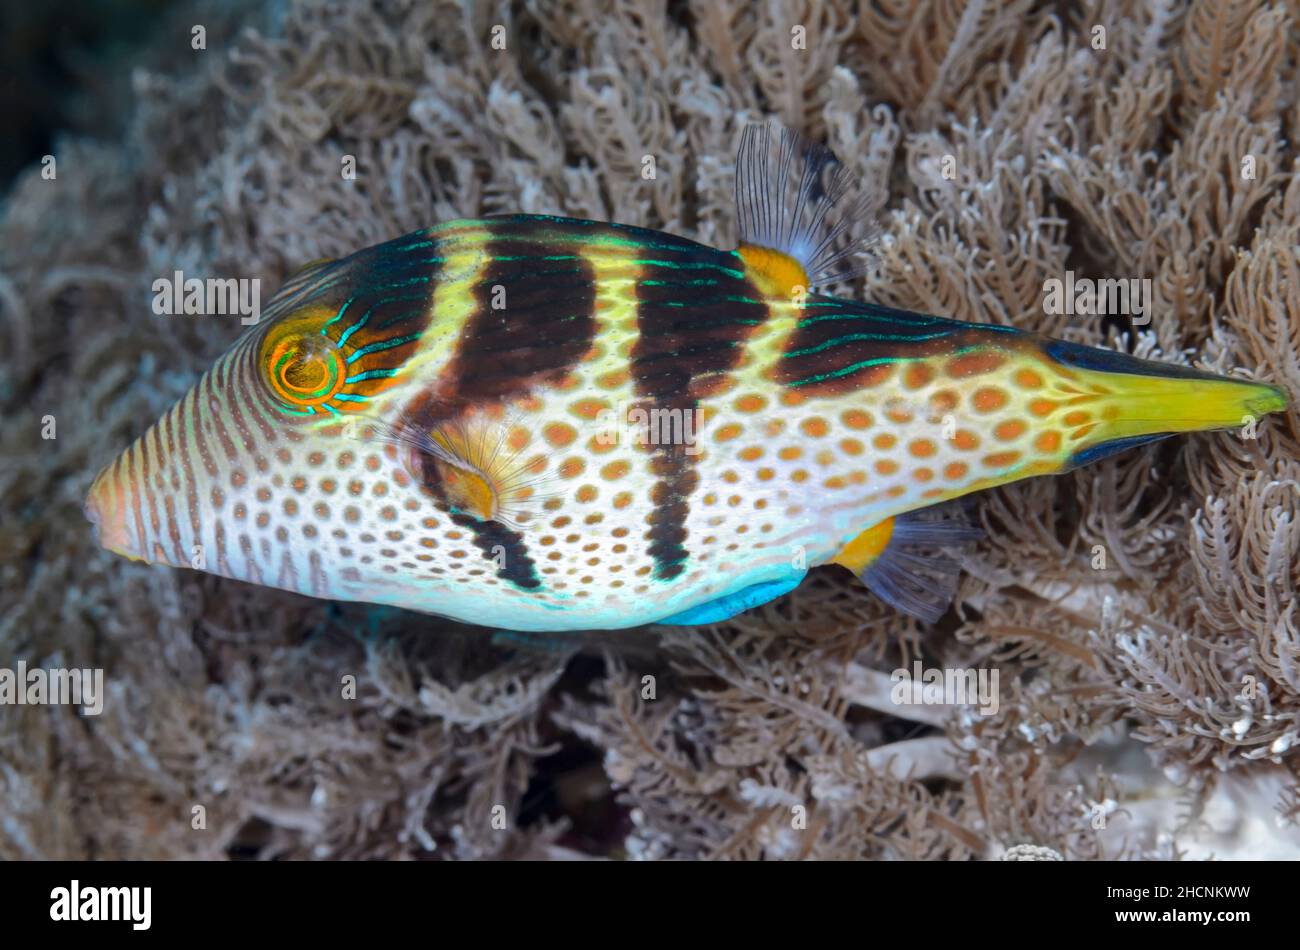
(839, 346)
(533, 322)
(691, 337)
(504, 547)
(1109, 361)
(500, 544)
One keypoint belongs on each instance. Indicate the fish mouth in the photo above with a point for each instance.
(1274, 400)
(91, 511)
(105, 509)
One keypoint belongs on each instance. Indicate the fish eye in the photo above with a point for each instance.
(305, 369)
(322, 360)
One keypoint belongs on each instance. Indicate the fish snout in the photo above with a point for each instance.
(105, 508)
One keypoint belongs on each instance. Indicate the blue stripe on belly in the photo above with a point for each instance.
(728, 606)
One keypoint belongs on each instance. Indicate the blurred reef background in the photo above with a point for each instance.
(1150, 701)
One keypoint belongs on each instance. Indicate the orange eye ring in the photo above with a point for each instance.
(304, 369)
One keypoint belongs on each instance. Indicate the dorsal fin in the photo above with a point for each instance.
(902, 559)
(796, 198)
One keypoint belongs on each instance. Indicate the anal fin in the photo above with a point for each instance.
(902, 560)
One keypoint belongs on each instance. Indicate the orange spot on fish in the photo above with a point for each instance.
(1048, 441)
(790, 453)
(589, 408)
(613, 380)
(751, 402)
(1010, 430)
(921, 448)
(751, 453)
(973, 364)
(1001, 459)
(884, 441)
(955, 470)
(886, 466)
(518, 438)
(815, 427)
(712, 386)
(614, 470)
(1076, 418)
(856, 419)
(988, 399)
(917, 375)
(559, 434)
(728, 432)
(1042, 407)
(943, 401)
(1028, 379)
(851, 446)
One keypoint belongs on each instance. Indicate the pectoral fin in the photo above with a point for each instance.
(902, 559)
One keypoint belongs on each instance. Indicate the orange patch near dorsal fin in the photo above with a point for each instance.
(774, 273)
(801, 217)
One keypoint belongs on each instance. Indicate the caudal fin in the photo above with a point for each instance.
(1132, 401)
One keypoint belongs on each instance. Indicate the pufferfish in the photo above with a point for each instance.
(455, 421)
